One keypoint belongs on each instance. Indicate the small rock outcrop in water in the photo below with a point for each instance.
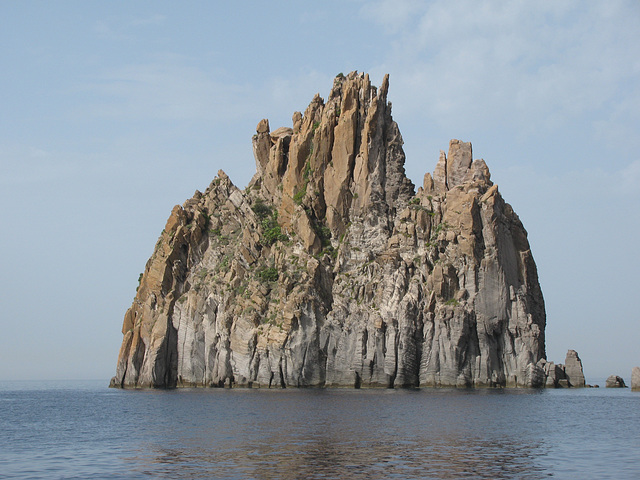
(635, 379)
(563, 376)
(614, 381)
(329, 269)
(573, 369)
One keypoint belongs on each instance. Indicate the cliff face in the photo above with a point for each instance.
(330, 270)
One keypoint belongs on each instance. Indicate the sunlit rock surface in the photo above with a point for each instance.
(330, 269)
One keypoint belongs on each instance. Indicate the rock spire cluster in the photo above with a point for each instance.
(330, 269)
(563, 376)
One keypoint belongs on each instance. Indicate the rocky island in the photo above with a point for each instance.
(330, 269)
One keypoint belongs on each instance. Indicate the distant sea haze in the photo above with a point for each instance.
(85, 430)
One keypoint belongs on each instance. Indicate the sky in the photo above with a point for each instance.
(114, 112)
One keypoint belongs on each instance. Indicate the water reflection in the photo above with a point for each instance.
(345, 435)
(322, 458)
(245, 434)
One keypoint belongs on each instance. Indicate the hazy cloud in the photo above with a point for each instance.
(122, 29)
(537, 65)
(393, 15)
(156, 20)
(629, 179)
(167, 90)
(170, 89)
(105, 30)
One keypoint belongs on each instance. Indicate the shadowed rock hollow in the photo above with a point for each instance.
(329, 269)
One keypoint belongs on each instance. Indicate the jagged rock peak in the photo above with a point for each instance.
(341, 159)
(457, 167)
(330, 270)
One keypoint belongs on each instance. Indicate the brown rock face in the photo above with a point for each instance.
(330, 270)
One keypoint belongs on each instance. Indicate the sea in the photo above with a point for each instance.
(82, 430)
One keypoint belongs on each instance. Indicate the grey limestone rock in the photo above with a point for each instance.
(329, 269)
(573, 369)
(614, 381)
(635, 379)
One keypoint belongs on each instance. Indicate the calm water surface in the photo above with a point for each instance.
(84, 430)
